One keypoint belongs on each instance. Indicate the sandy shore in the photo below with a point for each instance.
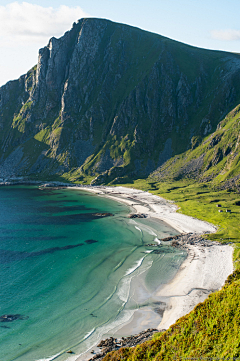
(156, 207)
(204, 271)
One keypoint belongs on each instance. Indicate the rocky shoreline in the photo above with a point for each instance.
(183, 241)
(113, 344)
(189, 239)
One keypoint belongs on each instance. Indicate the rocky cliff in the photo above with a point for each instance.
(107, 99)
(215, 160)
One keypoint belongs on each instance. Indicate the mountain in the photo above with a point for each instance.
(215, 159)
(109, 103)
(107, 99)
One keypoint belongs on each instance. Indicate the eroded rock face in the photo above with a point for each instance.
(111, 99)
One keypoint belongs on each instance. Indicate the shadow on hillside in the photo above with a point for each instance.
(32, 160)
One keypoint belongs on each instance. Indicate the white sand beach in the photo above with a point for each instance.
(206, 268)
(204, 271)
(154, 206)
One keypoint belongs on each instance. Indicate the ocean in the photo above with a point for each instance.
(68, 261)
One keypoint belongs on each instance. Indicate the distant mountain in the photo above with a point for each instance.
(107, 99)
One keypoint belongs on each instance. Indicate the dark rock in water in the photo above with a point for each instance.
(10, 318)
(137, 215)
(166, 239)
(91, 314)
(102, 214)
(5, 327)
(90, 241)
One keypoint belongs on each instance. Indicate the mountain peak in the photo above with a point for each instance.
(108, 99)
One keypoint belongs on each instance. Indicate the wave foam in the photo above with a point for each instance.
(157, 240)
(138, 229)
(89, 334)
(131, 270)
(51, 358)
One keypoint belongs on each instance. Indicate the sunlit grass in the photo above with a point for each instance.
(212, 328)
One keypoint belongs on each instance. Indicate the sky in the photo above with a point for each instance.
(26, 26)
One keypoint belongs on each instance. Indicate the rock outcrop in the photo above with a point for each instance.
(107, 99)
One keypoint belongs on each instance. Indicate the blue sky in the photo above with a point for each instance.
(27, 26)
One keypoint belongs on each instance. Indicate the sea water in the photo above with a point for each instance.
(66, 271)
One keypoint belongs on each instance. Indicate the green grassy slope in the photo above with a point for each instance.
(210, 331)
(212, 328)
(216, 159)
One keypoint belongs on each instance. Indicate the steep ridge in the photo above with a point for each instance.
(215, 160)
(108, 99)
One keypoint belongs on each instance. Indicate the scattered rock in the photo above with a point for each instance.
(182, 241)
(10, 318)
(137, 215)
(166, 239)
(103, 214)
(112, 344)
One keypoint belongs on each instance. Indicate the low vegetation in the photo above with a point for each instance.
(211, 330)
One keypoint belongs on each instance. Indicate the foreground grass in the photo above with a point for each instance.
(211, 330)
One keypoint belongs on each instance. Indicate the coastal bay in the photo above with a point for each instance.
(150, 300)
(204, 271)
(70, 261)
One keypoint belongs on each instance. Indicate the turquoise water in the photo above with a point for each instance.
(66, 272)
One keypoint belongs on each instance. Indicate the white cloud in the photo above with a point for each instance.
(226, 35)
(25, 22)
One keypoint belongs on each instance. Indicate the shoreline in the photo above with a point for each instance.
(153, 207)
(204, 271)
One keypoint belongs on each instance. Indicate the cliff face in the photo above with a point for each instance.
(108, 99)
(215, 160)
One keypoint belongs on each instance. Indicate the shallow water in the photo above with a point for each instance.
(67, 272)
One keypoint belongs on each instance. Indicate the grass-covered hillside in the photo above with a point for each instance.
(123, 106)
(197, 181)
(215, 159)
(211, 330)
